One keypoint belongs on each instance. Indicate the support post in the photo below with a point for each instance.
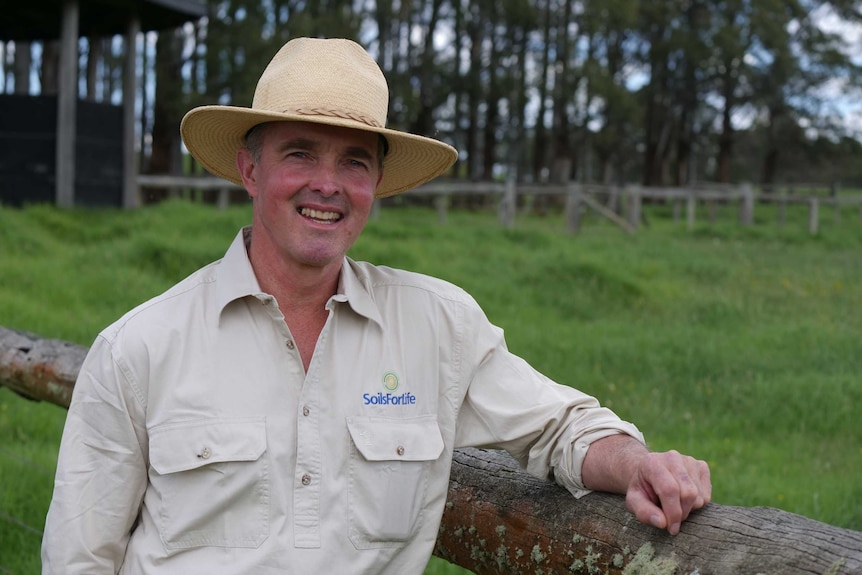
(507, 204)
(634, 207)
(131, 197)
(813, 216)
(375, 210)
(67, 99)
(690, 208)
(782, 208)
(746, 213)
(441, 204)
(573, 208)
(834, 188)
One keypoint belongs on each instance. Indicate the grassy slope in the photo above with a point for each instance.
(737, 345)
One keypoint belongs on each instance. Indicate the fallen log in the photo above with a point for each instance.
(39, 368)
(501, 520)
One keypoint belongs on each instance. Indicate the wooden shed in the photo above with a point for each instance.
(57, 147)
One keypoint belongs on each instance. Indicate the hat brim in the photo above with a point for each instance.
(213, 134)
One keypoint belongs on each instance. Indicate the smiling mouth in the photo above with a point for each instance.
(320, 216)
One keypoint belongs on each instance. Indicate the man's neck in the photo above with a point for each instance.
(302, 293)
(297, 288)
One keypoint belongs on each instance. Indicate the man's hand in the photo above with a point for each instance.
(666, 487)
(661, 489)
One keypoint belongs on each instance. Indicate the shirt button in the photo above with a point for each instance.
(305, 410)
(290, 344)
(205, 453)
(306, 479)
(399, 450)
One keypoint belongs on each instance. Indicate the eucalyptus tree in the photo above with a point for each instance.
(170, 103)
(540, 132)
(800, 66)
(673, 36)
(507, 24)
(612, 119)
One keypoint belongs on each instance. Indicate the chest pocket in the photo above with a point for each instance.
(209, 483)
(389, 461)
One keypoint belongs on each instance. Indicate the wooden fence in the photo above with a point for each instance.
(500, 520)
(623, 205)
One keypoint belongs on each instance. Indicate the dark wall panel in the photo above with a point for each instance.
(28, 147)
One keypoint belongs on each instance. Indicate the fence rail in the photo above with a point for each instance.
(623, 205)
(500, 520)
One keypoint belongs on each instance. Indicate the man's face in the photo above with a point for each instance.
(313, 186)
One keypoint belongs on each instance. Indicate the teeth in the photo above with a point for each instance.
(319, 215)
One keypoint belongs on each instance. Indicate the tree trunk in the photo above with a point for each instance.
(541, 138)
(21, 67)
(563, 92)
(501, 520)
(725, 138)
(492, 108)
(423, 124)
(50, 72)
(167, 107)
(474, 97)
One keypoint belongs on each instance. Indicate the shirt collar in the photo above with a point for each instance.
(235, 276)
(354, 289)
(236, 280)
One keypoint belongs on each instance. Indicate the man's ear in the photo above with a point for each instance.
(245, 164)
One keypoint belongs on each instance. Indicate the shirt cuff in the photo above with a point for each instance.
(573, 457)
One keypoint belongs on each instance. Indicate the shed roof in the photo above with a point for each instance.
(41, 19)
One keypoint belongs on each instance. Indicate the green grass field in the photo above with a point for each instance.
(737, 345)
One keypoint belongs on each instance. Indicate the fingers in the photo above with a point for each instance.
(666, 488)
(641, 505)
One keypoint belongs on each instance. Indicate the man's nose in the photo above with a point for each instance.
(326, 179)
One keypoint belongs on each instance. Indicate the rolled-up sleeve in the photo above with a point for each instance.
(101, 470)
(546, 426)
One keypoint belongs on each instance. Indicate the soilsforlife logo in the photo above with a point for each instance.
(390, 384)
(390, 381)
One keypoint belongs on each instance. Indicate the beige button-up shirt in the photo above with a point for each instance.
(196, 442)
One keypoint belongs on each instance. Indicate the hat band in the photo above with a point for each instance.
(335, 113)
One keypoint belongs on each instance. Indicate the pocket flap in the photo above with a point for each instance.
(388, 439)
(192, 444)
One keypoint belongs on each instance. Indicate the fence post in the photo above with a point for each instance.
(836, 205)
(441, 203)
(690, 206)
(507, 205)
(813, 215)
(746, 214)
(634, 206)
(223, 198)
(614, 200)
(782, 208)
(573, 208)
(375, 210)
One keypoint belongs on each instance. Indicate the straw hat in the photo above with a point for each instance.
(332, 81)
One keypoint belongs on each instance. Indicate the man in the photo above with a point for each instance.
(289, 410)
